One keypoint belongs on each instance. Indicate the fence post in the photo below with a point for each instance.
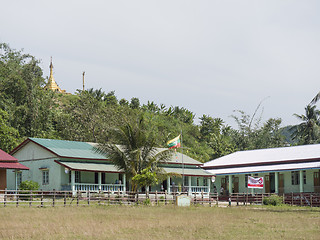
(118, 194)
(78, 193)
(291, 198)
(65, 199)
(300, 199)
(195, 198)
(262, 198)
(156, 197)
(17, 198)
(237, 199)
(109, 196)
(202, 197)
(209, 200)
(41, 198)
(54, 197)
(5, 197)
(165, 197)
(30, 200)
(217, 200)
(310, 199)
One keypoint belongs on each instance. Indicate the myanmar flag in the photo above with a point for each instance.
(174, 143)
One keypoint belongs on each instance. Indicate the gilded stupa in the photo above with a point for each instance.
(52, 85)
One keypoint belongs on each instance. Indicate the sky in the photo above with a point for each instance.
(211, 57)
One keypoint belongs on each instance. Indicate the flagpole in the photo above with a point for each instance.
(182, 164)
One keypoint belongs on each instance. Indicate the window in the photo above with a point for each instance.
(186, 180)
(77, 176)
(295, 177)
(19, 178)
(45, 177)
(205, 181)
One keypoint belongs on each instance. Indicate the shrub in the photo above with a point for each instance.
(147, 202)
(274, 200)
(29, 185)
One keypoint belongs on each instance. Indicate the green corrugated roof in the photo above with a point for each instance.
(85, 150)
(96, 167)
(188, 171)
(69, 149)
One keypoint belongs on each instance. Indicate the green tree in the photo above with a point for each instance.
(134, 149)
(135, 103)
(9, 136)
(308, 131)
(146, 178)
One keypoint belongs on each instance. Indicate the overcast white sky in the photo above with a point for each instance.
(211, 57)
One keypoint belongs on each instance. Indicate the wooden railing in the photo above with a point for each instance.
(95, 187)
(66, 198)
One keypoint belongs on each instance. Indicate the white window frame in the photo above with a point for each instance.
(45, 177)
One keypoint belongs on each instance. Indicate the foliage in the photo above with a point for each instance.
(133, 149)
(146, 178)
(308, 131)
(274, 200)
(9, 136)
(27, 110)
(29, 185)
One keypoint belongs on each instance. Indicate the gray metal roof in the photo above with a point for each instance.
(266, 168)
(271, 155)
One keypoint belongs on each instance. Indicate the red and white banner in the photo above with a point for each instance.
(255, 182)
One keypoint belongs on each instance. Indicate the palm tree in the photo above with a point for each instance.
(315, 99)
(133, 150)
(307, 132)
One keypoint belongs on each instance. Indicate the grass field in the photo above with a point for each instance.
(165, 222)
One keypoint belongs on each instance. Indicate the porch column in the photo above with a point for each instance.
(16, 177)
(276, 182)
(301, 180)
(99, 180)
(73, 189)
(189, 185)
(209, 184)
(230, 184)
(168, 185)
(124, 182)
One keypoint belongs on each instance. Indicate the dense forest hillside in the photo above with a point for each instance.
(28, 110)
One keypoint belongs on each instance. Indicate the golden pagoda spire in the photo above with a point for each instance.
(52, 85)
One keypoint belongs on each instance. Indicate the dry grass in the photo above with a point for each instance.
(166, 222)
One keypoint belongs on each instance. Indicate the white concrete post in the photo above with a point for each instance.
(230, 184)
(276, 182)
(99, 181)
(168, 185)
(189, 185)
(16, 177)
(209, 184)
(124, 182)
(73, 177)
(301, 180)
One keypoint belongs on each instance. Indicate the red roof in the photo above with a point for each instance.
(6, 157)
(10, 162)
(13, 165)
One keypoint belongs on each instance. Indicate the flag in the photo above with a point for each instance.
(174, 143)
